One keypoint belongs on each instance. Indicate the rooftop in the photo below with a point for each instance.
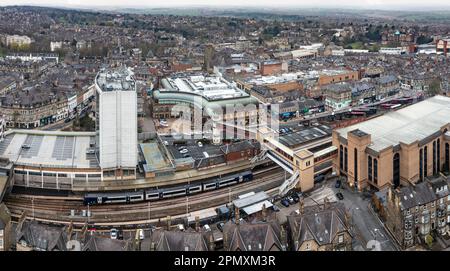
(120, 79)
(210, 87)
(408, 125)
(58, 149)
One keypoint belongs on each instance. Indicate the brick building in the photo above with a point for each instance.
(400, 147)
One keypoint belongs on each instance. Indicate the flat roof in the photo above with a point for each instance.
(53, 149)
(407, 125)
(153, 157)
(250, 200)
(257, 207)
(202, 214)
(210, 87)
(120, 79)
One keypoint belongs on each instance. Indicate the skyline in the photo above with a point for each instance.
(413, 5)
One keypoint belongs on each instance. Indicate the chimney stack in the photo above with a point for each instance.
(283, 238)
(169, 222)
(264, 212)
(236, 215)
(302, 206)
(211, 242)
(225, 241)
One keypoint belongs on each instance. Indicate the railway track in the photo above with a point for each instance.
(55, 210)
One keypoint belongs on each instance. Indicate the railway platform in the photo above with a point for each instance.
(181, 177)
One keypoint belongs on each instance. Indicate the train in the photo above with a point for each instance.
(167, 192)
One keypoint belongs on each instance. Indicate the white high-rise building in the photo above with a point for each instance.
(116, 122)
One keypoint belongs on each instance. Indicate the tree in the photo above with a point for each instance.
(429, 240)
(435, 87)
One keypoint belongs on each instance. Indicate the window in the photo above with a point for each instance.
(308, 163)
(421, 164)
(396, 170)
(369, 168)
(355, 152)
(308, 246)
(345, 160)
(341, 157)
(417, 208)
(340, 238)
(438, 156)
(416, 220)
(434, 158)
(375, 171)
(425, 161)
(447, 156)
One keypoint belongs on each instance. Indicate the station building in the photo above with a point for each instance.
(399, 148)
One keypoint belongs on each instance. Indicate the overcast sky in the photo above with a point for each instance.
(407, 4)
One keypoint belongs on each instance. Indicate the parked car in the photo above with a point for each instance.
(141, 234)
(206, 227)
(275, 208)
(186, 155)
(114, 233)
(291, 200)
(340, 196)
(220, 226)
(166, 143)
(181, 148)
(183, 151)
(319, 179)
(338, 184)
(200, 144)
(295, 197)
(120, 234)
(285, 202)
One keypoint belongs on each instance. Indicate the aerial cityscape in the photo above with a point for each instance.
(227, 128)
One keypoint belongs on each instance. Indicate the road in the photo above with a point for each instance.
(367, 226)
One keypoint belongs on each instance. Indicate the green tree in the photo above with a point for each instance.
(429, 240)
(435, 87)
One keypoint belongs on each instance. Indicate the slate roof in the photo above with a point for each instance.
(188, 240)
(260, 236)
(43, 237)
(319, 225)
